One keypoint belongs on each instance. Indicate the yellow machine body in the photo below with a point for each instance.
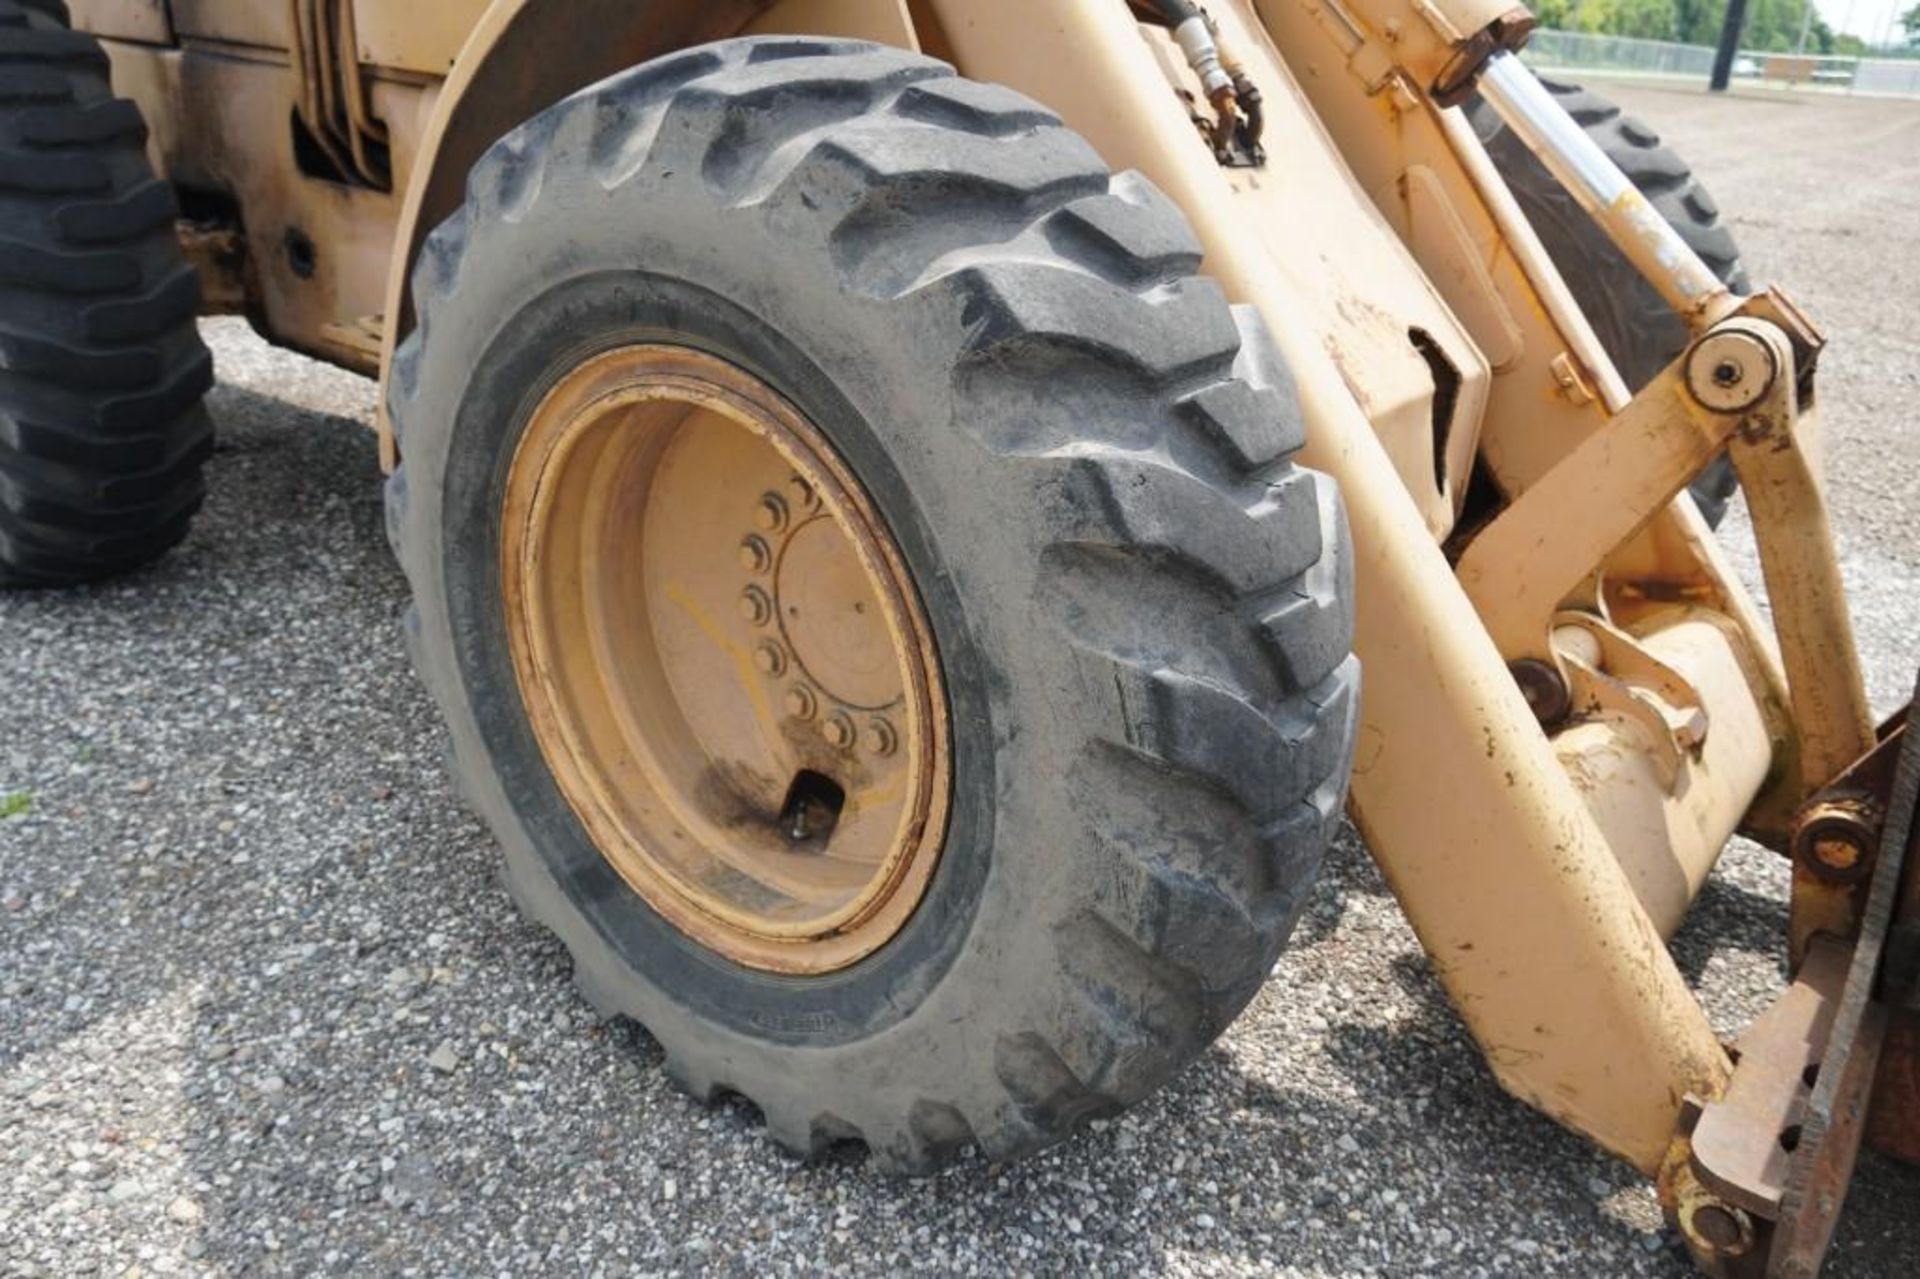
(1434, 347)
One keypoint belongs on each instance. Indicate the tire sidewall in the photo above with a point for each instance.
(1135, 598)
(533, 348)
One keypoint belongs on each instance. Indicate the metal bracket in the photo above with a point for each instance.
(1741, 387)
(1522, 566)
(1836, 835)
(1609, 670)
(1775, 454)
(1757, 1175)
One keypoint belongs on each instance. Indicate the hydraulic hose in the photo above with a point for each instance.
(1234, 96)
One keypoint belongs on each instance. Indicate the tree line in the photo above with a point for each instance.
(1772, 26)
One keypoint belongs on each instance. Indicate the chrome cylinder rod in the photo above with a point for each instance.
(1596, 182)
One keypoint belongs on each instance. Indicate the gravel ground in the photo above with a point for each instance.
(263, 1008)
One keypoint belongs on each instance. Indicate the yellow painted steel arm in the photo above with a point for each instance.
(1528, 918)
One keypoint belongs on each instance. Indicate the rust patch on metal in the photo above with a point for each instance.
(1893, 1118)
(1828, 898)
(218, 254)
(1777, 1151)
(1742, 1142)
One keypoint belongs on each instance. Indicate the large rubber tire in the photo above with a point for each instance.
(102, 370)
(1141, 606)
(1638, 329)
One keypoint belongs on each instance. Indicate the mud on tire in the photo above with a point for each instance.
(1141, 605)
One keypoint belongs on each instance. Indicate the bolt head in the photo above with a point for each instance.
(1730, 369)
(1722, 1228)
(1836, 853)
(771, 514)
(755, 606)
(770, 659)
(800, 703)
(879, 737)
(801, 494)
(1547, 694)
(1835, 838)
(837, 729)
(1579, 643)
(755, 556)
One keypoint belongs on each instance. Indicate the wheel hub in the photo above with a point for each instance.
(723, 658)
(832, 621)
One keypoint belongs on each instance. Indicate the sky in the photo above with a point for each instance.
(1867, 19)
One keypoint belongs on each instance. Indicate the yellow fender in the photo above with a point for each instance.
(525, 55)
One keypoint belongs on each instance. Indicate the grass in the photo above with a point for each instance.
(15, 804)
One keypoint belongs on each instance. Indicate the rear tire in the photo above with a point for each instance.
(1141, 606)
(1637, 328)
(102, 370)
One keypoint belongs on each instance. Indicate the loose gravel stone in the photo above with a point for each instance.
(242, 915)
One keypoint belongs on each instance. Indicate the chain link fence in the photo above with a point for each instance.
(1626, 55)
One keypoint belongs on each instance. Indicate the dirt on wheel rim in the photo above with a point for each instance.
(724, 660)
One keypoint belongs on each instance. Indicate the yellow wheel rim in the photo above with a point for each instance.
(724, 660)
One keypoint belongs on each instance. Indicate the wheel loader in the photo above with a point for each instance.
(898, 497)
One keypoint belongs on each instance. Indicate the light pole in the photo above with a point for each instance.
(1729, 45)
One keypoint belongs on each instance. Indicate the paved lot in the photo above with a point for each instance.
(263, 1009)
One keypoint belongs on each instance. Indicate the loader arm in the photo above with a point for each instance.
(1527, 907)
(1571, 703)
